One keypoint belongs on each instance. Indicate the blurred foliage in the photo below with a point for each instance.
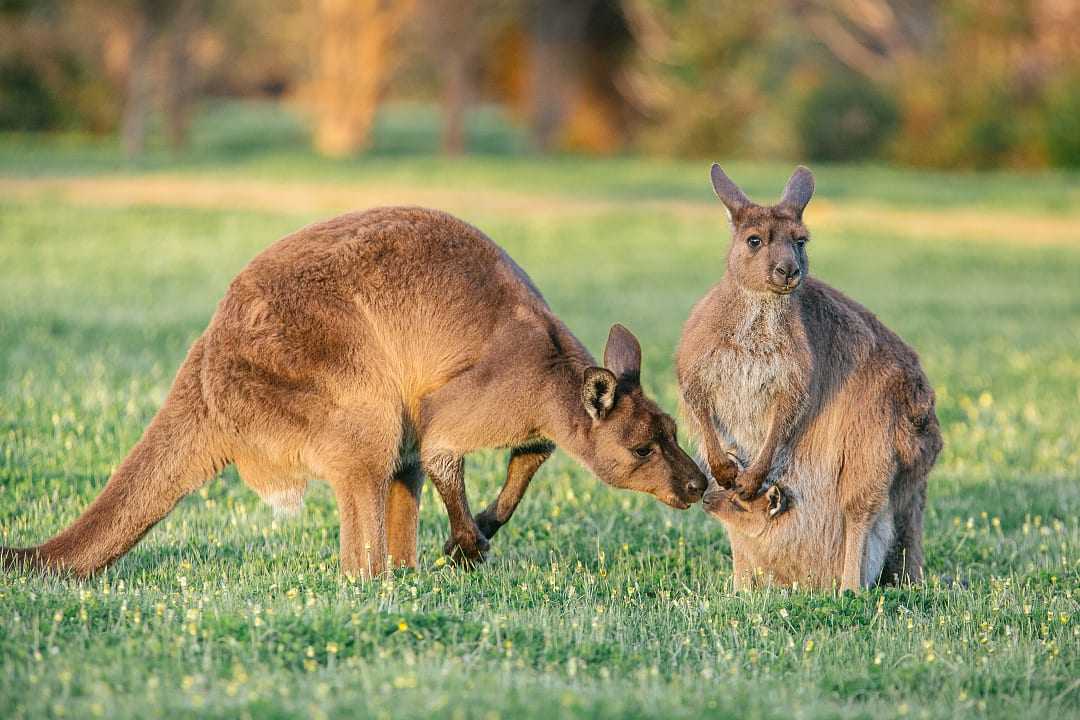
(1063, 124)
(25, 102)
(949, 83)
(846, 119)
(705, 74)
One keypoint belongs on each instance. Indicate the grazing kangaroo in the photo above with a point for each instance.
(806, 389)
(364, 351)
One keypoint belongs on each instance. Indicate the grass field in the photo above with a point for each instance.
(595, 602)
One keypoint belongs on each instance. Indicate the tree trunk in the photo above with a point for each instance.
(557, 31)
(180, 85)
(455, 98)
(354, 57)
(137, 102)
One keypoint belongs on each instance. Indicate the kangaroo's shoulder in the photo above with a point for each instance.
(702, 330)
(854, 334)
(711, 319)
(829, 314)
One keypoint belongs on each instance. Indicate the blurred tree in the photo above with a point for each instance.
(160, 58)
(973, 79)
(52, 74)
(181, 87)
(872, 37)
(577, 53)
(975, 84)
(1063, 123)
(846, 119)
(703, 72)
(458, 36)
(138, 97)
(355, 50)
(556, 33)
(257, 48)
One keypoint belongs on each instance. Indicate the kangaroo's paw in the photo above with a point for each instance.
(467, 550)
(488, 524)
(749, 484)
(725, 471)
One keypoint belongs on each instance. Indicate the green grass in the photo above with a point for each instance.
(595, 602)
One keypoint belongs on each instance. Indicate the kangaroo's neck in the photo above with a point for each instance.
(563, 418)
(758, 318)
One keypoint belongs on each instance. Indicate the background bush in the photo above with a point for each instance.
(846, 119)
(1063, 126)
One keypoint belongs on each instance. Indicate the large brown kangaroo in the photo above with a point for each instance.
(364, 351)
(806, 389)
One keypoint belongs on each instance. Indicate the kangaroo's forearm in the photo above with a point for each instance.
(523, 464)
(782, 424)
(723, 470)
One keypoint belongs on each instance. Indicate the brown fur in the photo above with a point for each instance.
(364, 351)
(805, 388)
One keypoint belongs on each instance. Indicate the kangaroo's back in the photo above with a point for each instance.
(399, 296)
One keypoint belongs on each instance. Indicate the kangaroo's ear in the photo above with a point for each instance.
(622, 354)
(729, 193)
(799, 190)
(598, 392)
(778, 500)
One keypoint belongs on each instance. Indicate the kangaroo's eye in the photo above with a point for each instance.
(801, 242)
(644, 451)
(754, 242)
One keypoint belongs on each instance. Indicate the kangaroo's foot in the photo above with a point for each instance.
(467, 549)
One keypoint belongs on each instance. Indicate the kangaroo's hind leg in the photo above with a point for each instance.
(918, 446)
(904, 563)
(864, 482)
(918, 443)
(403, 514)
(358, 461)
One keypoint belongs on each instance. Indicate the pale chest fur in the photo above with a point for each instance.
(746, 373)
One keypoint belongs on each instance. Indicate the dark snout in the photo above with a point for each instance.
(689, 476)
(786, 275)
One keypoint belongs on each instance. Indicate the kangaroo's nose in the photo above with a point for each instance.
(786, 272)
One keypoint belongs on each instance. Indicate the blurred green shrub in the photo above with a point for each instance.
(25, 101)
(846, 119)
(993, 133)
(1063, 125)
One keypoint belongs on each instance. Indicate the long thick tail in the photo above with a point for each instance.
(179, 451)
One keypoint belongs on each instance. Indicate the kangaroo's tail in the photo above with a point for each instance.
(180, 450)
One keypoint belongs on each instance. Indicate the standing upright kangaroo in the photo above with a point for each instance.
(804, 387)
(366, 350)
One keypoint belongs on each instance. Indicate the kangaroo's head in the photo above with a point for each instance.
(768, 246)
(631, 442)
(746, 517)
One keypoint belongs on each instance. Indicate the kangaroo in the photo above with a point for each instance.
(365, 351)
(787, 381)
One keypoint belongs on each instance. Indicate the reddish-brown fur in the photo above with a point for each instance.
(365, 351)
(806, 389)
